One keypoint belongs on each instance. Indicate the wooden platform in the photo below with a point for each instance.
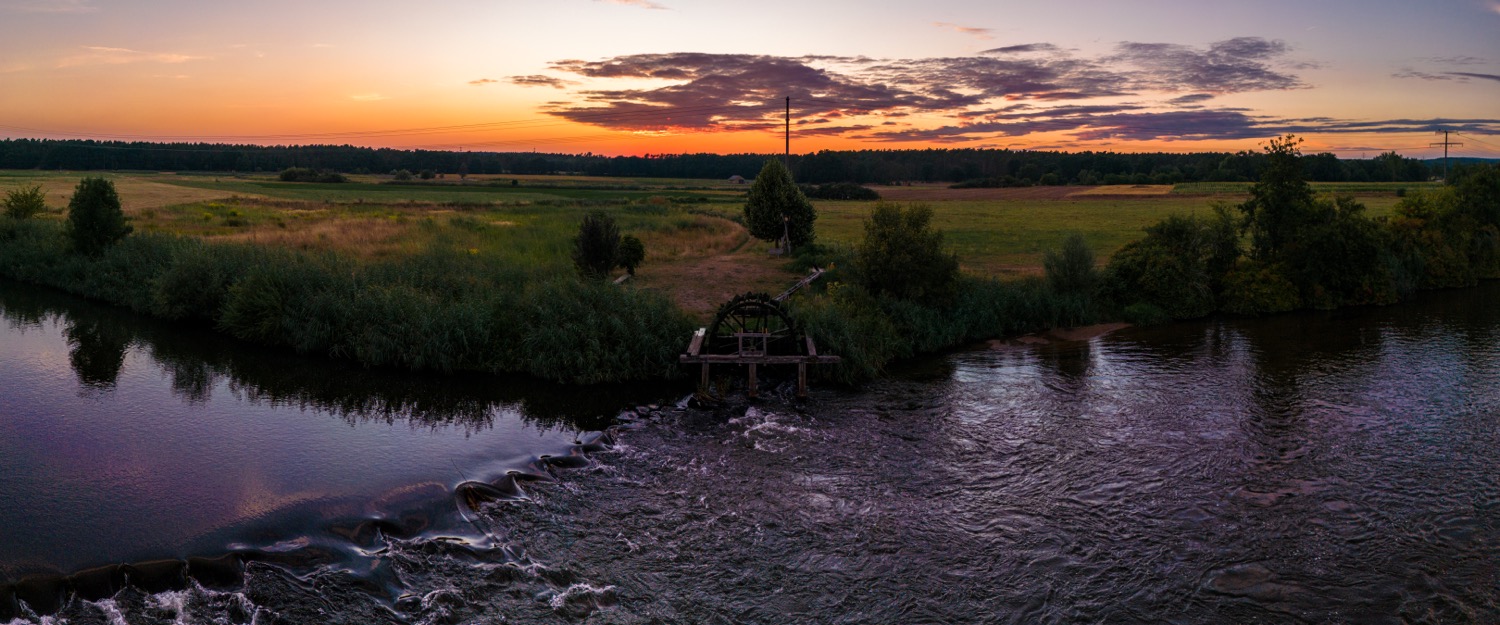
(752, 358)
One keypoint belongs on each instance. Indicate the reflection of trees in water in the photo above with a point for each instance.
(96, 350)
(196, 361)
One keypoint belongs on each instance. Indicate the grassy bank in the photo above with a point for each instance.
(477, 276)
(435, 310)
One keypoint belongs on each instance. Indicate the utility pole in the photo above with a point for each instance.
(1445, 145)
(786, 157)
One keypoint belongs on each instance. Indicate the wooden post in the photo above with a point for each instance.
(703, 380)
(752, 393)
(802, 379)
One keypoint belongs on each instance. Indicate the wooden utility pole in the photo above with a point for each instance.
(1445, 143)
(786, 156)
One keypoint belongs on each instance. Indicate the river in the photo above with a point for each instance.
(1336, 467)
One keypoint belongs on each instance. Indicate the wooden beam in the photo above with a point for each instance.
(735, 358)
(697, 343)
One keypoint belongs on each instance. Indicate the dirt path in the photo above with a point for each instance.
(700, 285)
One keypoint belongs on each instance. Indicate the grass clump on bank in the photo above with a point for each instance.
(440, 310)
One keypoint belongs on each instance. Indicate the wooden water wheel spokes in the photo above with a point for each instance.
(753, 325)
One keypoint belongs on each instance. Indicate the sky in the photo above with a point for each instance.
(1353, 77)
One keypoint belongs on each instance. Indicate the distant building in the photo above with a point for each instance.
(737, 179)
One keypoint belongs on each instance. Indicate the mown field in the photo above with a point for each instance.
(696, 252)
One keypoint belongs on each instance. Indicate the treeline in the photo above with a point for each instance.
(899, 293)
(971, 167)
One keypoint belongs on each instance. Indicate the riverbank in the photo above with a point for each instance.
(1311, 467)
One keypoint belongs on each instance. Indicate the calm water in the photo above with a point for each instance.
(1315, 468)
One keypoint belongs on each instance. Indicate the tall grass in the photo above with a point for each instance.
(442, 309)
(869, 332)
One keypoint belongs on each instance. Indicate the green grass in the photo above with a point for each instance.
(997, 237)
(1354, 188)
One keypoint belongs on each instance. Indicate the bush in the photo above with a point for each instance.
(25, 202)
(95, 219)
(304, 174)
(839, 191)
(903, 257)
(1256, 288)
(596, 248)
(1178, 268)
(775, 206)
(401, 175)
(630, 253)
(1071, 270)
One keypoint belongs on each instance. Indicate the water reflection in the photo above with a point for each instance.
(96, 350)
(124, 438)
(195, 361)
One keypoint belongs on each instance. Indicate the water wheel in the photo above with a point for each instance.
(753, 324)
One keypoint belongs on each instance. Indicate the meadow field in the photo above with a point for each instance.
(697, 252)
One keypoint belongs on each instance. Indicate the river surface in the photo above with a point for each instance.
(1335, 467)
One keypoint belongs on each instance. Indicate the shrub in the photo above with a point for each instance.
(304, 174)
(839, 191)
(630, 253)
(1178, 268)
(596, 247)
(775, 206)
(25, 202)
(1256, 288)
(95, 219)
(401, 175)
(1071, 270)
(903, 257)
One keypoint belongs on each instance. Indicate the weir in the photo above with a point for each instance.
(754, 330)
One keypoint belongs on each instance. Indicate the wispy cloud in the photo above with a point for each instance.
(1454, 76)
(101, 55)
(1191, 99)
(1025, 48)
(51, 6)
(644, 4)
(368, 97)
(982, 33)
(538, 80)
(483, 81)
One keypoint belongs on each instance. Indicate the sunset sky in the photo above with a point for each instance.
(1356, 77)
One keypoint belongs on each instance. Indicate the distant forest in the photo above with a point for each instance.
(966, 167)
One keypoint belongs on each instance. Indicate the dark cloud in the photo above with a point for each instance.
(1004, 92)
(1229, 66)
(538, 80)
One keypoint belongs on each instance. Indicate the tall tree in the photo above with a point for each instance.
(1280, 202)
(95, 219)
(777, 206)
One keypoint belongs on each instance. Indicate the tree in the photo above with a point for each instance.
(903, 257)
(25, 202)
(630, 253)
(1071, 269)
(1280, 203)
(777, 206)
(596, 248)
(95, 220)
